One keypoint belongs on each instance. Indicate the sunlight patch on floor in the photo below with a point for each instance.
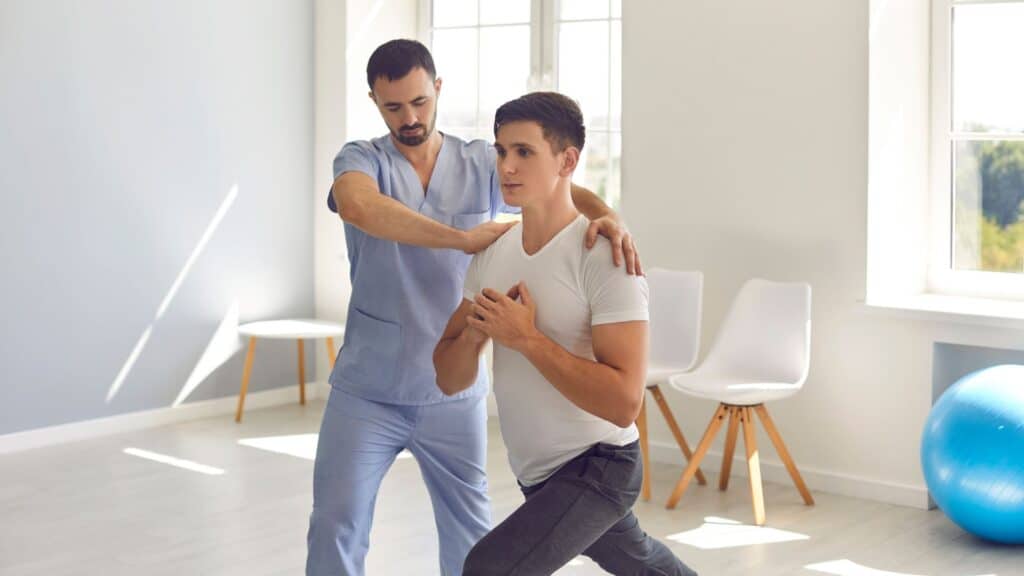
(846, 567)
(297, 445)
(172, 461)
(718, 533)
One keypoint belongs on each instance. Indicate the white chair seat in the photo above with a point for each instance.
(731, 389)
(660, 374)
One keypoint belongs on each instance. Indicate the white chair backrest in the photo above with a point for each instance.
(675, 310)
(766, 335)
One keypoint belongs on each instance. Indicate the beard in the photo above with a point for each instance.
(415, 139)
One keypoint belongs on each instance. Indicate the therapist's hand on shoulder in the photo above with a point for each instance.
(480, 237)
(623, 246)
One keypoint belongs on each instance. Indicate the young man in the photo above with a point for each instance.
(570, 354)
(415, 203)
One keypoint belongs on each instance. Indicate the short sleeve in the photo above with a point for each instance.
(471, 285)
(614, 295)
(353, 157)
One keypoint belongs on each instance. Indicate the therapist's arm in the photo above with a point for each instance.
(361, 204)
(456, 357)
(604, 221)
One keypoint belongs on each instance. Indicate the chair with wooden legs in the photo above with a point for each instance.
(675, 311)
(296, 329)
(761, 353)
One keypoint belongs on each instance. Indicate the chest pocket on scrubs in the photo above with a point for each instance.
(371, 345)
(470, 220)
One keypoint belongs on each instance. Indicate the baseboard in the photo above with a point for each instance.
(86, 429)
(817, 480)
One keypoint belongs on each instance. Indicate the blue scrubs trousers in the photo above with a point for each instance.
(360, 439)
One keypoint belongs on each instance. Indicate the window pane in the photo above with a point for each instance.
(592, 170)
(988, 191)
(465, 133)
(505, 69)
(988, 80)
(615, 90)
(454, 13)
(504, 11)
(583, 9)
(583, 69)
(615, 170)
(616, 8)
(455, 57)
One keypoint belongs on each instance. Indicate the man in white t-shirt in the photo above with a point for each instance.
(570, 354)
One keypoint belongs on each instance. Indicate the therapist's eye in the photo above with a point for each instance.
(524, 153)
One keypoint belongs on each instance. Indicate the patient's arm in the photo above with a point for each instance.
(609, 387)
(456, 356)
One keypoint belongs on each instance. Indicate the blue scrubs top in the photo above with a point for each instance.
(403, 295)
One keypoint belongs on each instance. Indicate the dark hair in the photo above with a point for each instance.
(558, 115)
(396, 58)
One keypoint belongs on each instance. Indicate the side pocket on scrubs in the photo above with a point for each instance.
(371, 346)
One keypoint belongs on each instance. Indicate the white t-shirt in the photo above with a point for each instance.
(574, 288)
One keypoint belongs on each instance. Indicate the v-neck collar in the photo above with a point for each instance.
(551, 242)
(429, 192)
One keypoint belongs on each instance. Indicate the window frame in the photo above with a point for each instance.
(544, 37)
(941, 277)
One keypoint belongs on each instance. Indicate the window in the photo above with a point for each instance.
(977, 174)
(490, 51)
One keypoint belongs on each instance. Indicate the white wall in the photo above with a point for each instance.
(331, 285)
(157, 163)
(745, 153)
(898, 100)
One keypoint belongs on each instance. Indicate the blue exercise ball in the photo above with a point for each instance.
(972, 453)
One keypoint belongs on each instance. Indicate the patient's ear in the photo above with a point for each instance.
(570, 158)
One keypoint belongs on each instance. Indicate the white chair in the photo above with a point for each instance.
(674, 328)
(761, 353)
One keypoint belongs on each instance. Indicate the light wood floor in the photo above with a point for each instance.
(89, 508)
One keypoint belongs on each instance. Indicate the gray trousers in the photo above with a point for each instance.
(583, 508)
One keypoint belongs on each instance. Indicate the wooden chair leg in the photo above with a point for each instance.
(676, 431)
(246, 372)
(332, 354)
(730, 448)
(780, 447)
(753, 464)
(302, 375)
(702, 449)
(641, 426)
